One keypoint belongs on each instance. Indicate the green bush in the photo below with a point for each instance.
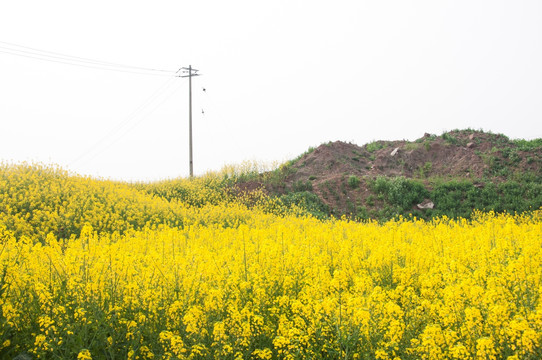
(374, 146)
(528, 145)
(425, 170)
(301, 185)
(308, 202)
(460, 198)
(449, 138)
(454, 198)
(400, 192)
(353, 181)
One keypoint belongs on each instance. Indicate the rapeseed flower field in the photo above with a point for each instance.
(103, 270)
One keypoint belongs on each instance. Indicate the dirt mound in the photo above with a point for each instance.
(343, 175)
(330, 169)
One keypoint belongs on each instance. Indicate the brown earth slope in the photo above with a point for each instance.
(328, 170)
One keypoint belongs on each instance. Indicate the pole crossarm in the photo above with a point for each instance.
(188, 71)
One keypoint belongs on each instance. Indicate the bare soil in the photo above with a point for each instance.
(466, 154)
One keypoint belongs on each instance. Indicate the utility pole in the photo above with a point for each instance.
(191, 72)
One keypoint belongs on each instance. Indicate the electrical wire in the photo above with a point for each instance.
(79, 61)
(86, 59)
(115, 134)
(126, 120)
(132, 127)
(95, 150)
(86, 66)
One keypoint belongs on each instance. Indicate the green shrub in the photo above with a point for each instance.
(460, 198)
(301, 185)
(374, 146)
(427, 145)
(362, 213)
(425, 170)
(308, 202)
(400, 192)
(528, 145)
(353, 181)
(454, 198)
(449, 138)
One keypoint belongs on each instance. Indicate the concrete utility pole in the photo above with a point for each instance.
(191, 72)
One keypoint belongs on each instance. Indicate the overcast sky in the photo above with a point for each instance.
(280, 76)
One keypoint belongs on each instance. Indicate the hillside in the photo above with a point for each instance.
(213, 268)
(98, 270)
(457, 172)
(41, 200)
(451, 175)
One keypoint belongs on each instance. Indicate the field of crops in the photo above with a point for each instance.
(101, 270)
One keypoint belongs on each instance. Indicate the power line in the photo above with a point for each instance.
(82, 59)
(126, 120)
(112, 134)
(86, 59)
(50, 56)
(55, 57)
(133, 126)
(86, 66)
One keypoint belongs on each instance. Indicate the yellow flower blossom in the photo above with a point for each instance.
(180, 270)
(84, 355)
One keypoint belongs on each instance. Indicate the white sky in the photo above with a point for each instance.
(280, 76)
